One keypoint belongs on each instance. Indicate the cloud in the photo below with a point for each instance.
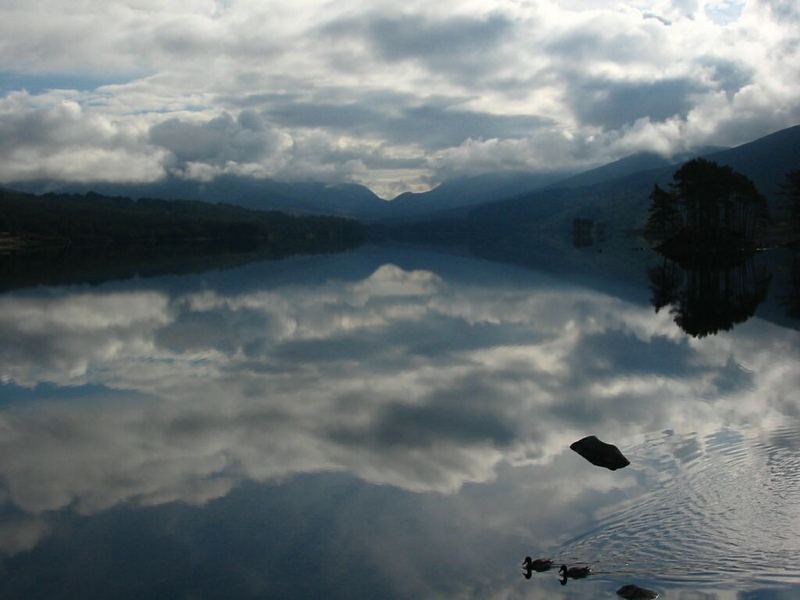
(220, 141)
(59, 139)
(393, 98)
(612, 104)
(415, 36)
(783, 9)
(465, 46)
(403, 120)
(728, 75)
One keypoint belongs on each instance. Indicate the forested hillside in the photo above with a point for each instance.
(91, 220)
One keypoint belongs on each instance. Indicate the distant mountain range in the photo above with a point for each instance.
(617, 191)
(260, 194)
(468, 191)
(641, 161)
(350, 200)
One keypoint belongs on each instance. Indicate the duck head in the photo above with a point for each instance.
(527, 567)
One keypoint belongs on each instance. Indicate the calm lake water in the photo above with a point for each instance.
(391, 423)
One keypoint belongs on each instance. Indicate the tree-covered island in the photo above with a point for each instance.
(709, 212)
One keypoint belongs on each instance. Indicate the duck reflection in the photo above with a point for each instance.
(706, 298)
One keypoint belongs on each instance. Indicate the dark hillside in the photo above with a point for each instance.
(466, 192)
(94, 220)
(301, 198)
(622, 203)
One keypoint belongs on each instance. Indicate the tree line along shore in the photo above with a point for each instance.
(29, 221)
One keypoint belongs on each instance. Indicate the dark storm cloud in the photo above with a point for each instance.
(328, 115)
(612, 104)
(460, 45)
(256, 101)
(246, 138)
(418, 37)
(432, 126)
(376, 159)
(581, 46)
(442, 127)
(728, 75)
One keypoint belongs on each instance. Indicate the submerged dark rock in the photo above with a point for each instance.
(600, 454)
(634, 592)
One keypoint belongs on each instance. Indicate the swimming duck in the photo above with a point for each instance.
(574, 572)
(634, 592)
(538, 565)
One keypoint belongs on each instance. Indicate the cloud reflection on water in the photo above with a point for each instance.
(402, 378)
(407, 378)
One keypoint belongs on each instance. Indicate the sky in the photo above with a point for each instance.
(395, 96)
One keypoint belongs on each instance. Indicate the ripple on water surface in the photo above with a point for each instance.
(724, 508)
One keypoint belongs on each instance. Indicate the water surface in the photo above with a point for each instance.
(390, 423)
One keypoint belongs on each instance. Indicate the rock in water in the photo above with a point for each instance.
(634, 592)
(600, 454)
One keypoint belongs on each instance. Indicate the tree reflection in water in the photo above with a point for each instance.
(706, 298)
(792, 299)
(665, 283)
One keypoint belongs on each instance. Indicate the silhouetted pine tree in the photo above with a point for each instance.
(719, 204)
(665, 219)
